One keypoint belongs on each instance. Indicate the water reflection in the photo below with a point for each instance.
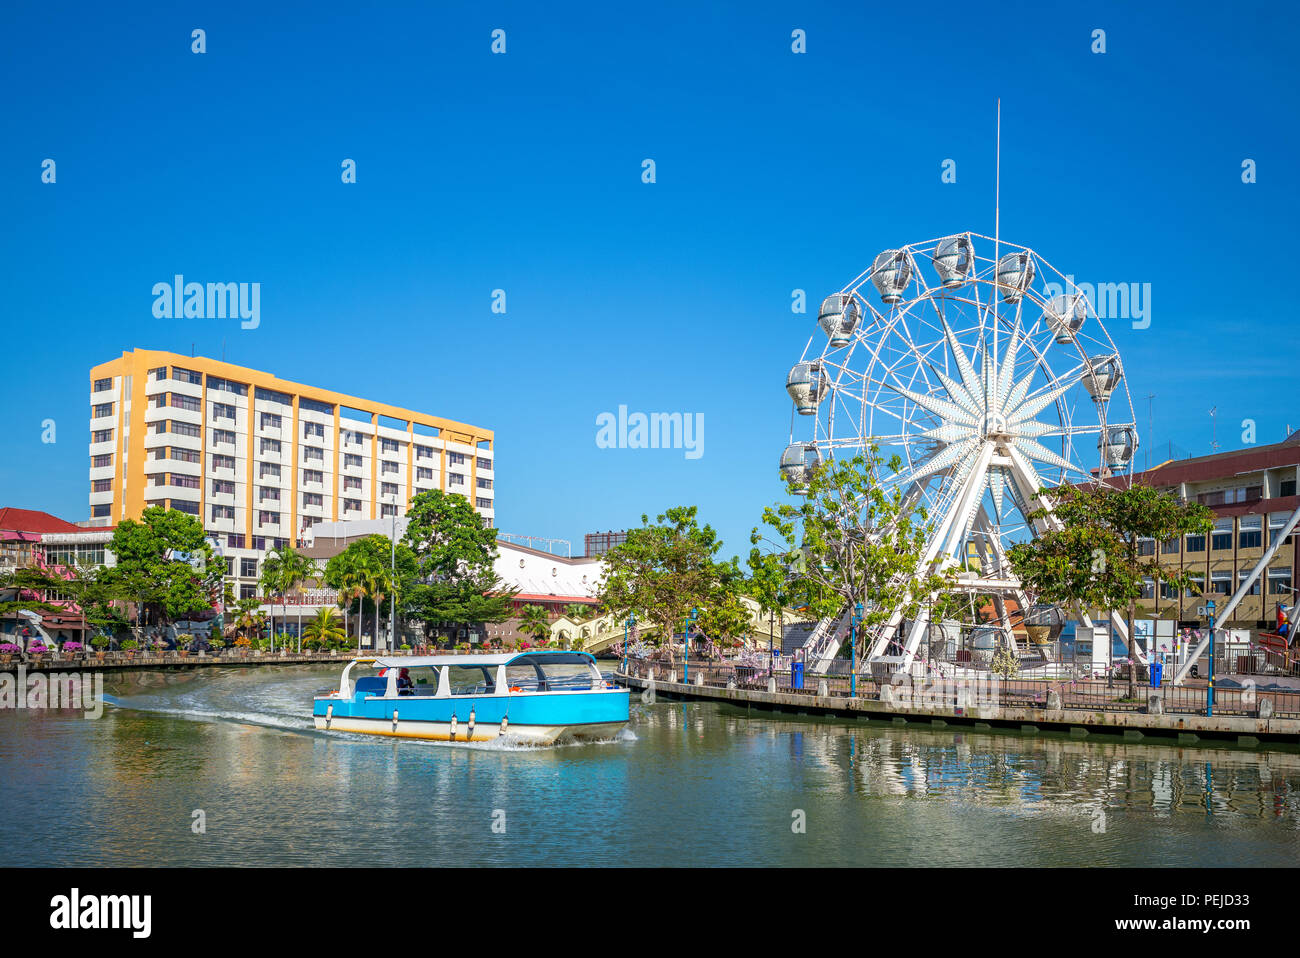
(694, 783)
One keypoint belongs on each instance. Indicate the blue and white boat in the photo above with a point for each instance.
(537, 697)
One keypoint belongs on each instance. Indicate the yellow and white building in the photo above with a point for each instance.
(259, 459)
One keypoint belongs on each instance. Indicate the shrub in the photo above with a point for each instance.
(9, 648)
(73, 647)
(130, 645)
(100, 642)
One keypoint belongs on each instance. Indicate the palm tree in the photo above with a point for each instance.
(535, 621)
(324, 628)
(374, 581)
(578, 612)
(282, 572)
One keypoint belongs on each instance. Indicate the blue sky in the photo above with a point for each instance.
(522, 172)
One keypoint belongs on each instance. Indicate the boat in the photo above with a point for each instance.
(536, 697)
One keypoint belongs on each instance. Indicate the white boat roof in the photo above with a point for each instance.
(471, 661)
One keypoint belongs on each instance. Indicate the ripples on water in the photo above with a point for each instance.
(684, 784)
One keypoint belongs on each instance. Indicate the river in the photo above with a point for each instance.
(222, 767)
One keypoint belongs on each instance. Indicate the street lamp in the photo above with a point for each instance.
(1209, 699)
(392, 585)
(854, 619)
(631, 621)
(686, 647)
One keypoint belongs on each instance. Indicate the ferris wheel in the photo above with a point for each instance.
(985, 372)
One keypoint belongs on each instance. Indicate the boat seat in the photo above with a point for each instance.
(371, 685)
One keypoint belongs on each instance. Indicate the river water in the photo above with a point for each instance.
(222, 767)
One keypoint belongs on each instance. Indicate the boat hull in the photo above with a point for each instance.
(543, 718)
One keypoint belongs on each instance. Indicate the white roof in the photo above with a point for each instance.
(471, 661)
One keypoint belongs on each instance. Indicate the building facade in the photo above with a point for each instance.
(260, 460)
(1253, 493)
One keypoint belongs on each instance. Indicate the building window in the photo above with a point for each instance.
(102, 410)
(185, 429)
(158, 375)
(313, 454)
(388, 488)
(455, 479)
(235, 540)
(1170, 547)
(102, 384)
(247, 591)
(1251, 532)
(423, 473)
(269, 445)
(487, 484)
(184, 505)
(157, 428)
(98, 512)
(225, 436)
(1148, 588)
(456, 458)
(102, 435)
(387, 511)
(183, 455)
(388, 445)
(388, 467)
(351, 505)
(102, 485)
(270, 420)
(98, 462)
(270, 395)
(184, 482)
(226, 386)
(178, 401)
(313, 430)
(1276, 522)
(424, 452)
(1279, 580)
(259, 543)
(484, 463)
(223, 462)
(266, 517)
(265, 469)
(483, 503)
(247, 568)
(222, 512)
(221, 410)
(1196, 587)
(312, 499)
(1254, 586)
(1221, 582)
(351, 482)
(1196, 543)
(1222, 537)
(187, 376)
(312, 475)
(1168, 590)
(223, 487)
(351, 460)
(1286, 487)
(268, 492)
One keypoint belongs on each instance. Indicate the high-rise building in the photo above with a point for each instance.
(260, 459)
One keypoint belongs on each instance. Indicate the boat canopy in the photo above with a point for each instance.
(540, 656)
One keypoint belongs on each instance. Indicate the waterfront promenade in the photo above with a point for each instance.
(1243, 716)
(120, 661)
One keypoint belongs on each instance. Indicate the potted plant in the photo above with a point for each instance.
(242, 645)
(158, 647)
(100, 643)
(215, 645)
(183, 643)
(8, 650)
(129, 647)
(73, 649)
(36, 651)
(406, 649)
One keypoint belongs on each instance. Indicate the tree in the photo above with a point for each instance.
(323, 630)
(455, 551)
(1094, 559)
(847, 539)
(165, 560)
(665, 570)
(364, 570)
(283, 571)
(578, 612)
(535, 621)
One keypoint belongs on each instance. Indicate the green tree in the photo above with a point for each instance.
(535, 621)
(324, 629)
(165, 561)
(1093, 558)
(578, 612)
(364, 571)
(455, 550)
(284, 570)
(847, 539)
(664, 570)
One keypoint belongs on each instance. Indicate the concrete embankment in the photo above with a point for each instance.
(167, 662)
(903, 709)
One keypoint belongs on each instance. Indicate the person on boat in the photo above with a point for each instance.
(404, 684)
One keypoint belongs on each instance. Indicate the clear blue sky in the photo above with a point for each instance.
(477, 171)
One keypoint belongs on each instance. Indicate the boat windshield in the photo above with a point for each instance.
(550, 673)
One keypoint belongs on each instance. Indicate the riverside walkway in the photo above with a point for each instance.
(119, 661)
(1243, 716)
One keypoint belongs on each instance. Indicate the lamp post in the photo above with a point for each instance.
(392, 584)
(686, 647)
(1209, 698)
(627, 624)
(854, 619)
